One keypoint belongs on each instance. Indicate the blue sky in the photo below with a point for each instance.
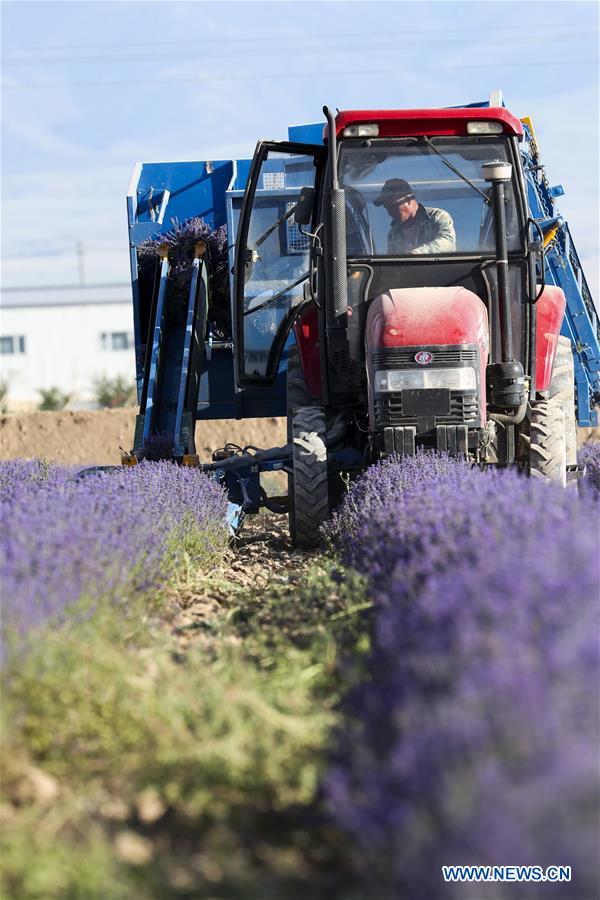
(89, 88)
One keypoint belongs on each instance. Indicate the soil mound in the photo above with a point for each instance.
(93, 438)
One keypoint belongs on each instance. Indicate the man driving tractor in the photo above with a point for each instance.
(415, 229)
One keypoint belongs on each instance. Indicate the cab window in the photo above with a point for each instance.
(445, 214)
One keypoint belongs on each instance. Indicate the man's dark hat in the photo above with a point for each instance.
(395, 189)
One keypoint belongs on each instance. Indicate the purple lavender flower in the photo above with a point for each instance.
(589, 456)
(473, 739)
(17, 475)
(97, 538)
(158, 446)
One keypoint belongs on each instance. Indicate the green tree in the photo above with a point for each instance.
(111, 393)
(53, 398)
(3, 395)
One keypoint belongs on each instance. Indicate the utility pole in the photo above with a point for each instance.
(80, 263)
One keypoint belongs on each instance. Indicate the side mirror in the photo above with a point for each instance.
(303, 211)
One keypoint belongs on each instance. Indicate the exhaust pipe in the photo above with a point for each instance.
(338, 228)
(506, 379)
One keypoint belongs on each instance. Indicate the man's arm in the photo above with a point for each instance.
(445, 236)
(394, 240)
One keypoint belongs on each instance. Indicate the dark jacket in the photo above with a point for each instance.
(430, 231)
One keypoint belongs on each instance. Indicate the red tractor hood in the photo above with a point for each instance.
(428, 319)
(412, 317)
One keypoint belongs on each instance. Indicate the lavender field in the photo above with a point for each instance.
(165, 714)
(98, 539)
(473, 738)
(187, 720)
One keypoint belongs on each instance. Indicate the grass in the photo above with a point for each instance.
(140, 765)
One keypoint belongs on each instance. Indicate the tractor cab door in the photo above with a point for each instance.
(272, 265)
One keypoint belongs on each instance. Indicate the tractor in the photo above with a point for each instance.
(389, 275)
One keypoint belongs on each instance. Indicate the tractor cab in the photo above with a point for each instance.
(384, 245)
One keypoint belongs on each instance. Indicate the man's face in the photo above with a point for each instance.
(402, 210)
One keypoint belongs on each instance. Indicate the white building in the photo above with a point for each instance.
(64, 337)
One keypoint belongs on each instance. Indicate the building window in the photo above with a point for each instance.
(11, 344)
(116, 340)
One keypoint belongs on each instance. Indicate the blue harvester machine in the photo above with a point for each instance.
(185, 369)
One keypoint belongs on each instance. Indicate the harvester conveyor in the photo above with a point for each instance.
(564, 269)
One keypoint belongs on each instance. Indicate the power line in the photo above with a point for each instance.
(61, 251)
(298, 76)
(250, 51)
(561, 29)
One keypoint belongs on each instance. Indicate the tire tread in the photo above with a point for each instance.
(310, 482)
(547, 450)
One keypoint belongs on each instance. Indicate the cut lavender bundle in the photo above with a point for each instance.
(181, 242)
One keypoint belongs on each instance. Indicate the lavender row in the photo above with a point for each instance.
(101, 537)
(589, 456)
(473, 738)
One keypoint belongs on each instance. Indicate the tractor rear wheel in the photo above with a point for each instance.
(309, 499)
(547, 446)
(562, 390)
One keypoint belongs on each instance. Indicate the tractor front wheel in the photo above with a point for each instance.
(309, 503)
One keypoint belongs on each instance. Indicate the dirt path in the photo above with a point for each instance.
(261, 558)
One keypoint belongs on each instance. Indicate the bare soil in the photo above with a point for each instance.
(261, 557)
(587, 434)
(94, 438)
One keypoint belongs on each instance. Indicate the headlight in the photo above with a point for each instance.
(484, 127)
(462, 379)
(367, 130)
